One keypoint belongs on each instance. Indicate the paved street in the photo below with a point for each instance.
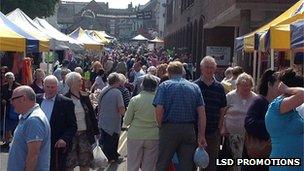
(122, 149)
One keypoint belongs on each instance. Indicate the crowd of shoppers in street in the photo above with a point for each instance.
(166, 111)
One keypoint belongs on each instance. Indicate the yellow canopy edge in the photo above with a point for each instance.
(285, 18)
(11, 41)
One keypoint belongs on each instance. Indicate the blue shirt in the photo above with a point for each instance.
(47, 106)
(286, 132)
(215, 99)
(180, 99)
(33, 126)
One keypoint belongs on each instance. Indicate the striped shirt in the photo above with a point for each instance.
(215, 99)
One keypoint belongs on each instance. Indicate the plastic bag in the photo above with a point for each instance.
(100, 160)
(201, 157)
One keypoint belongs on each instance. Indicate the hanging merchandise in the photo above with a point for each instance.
(27, 77)
(17, 63)
(68, 55)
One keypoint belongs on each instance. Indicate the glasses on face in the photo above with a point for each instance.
(17, 97)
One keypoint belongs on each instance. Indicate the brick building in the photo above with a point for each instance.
(121, 23)
(210, 26)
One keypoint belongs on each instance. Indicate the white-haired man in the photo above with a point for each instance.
(215, 99)
(30, 149)
(61, 115)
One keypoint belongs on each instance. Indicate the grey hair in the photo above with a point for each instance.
(122, 78)
(209, 59)
(79, 70)
(228, 71)
(113, 78)
(38, 71)
(152, 70)
(244, 78)
(149, 83)
(70, 77)
(51, 78)
(28, 92)
(10, 75)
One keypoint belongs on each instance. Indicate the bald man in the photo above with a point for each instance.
(30, 149)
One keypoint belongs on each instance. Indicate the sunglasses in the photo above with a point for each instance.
(14, 98)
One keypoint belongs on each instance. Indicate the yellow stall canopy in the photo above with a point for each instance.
(89, 43)
(10, 40)
(280, 37)
(100, 36)
(292, 14)
(19, 18)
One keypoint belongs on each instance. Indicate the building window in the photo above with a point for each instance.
(185, 4)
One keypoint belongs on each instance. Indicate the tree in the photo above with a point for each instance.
(33, 8)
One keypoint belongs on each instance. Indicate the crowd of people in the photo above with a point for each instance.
(166, 111)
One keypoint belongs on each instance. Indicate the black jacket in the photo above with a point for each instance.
(90, 118)
(63, 126)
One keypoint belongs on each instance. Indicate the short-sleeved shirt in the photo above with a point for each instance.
(286, 132)
(215, 99)
(237, 108)
(109, 118)
(33, 126)
(180, 99)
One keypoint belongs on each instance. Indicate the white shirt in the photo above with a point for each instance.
(80, 115)
(47, 106)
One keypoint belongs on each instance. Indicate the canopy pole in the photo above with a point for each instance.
(254, 65)
(47, 63)
(259, 64)
(272, 59)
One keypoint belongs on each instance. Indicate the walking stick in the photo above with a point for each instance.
(3, 126)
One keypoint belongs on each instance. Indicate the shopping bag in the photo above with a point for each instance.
(100, 160)
(201, 158)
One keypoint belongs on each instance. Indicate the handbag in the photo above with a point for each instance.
(257, 148)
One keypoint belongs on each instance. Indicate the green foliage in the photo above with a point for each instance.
(33, 8)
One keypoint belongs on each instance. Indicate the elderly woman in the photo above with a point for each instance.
(11, 116)
(110, 110)
(37, 84)
(238, 102)
(143, 132)
(80, 153)
(283, 123)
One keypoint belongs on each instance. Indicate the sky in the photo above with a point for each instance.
(116, 3)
